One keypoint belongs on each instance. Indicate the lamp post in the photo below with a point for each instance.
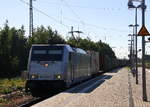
(133, 45)
(130, 5)
(143, 54)
(136, 53)
(131, 50)
(133, 26)
(143, 7)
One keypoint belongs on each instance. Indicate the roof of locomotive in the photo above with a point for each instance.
(69, 48)
(78, 50)
(48, 44)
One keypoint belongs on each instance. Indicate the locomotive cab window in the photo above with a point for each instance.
(39, 52)
(49, 53)
(55, 52)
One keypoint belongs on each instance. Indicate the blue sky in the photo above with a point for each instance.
(105, 20)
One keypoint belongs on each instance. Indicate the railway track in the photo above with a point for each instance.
(34, 100)
(30, 102)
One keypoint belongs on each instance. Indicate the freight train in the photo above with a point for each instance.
(55, 66)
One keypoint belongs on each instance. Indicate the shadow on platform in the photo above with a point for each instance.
(89, 86)
(115, 70)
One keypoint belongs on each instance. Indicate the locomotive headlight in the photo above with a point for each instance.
(34, 76)
(58, 76)
(45, 65)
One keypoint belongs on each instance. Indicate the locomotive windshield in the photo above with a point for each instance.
(47, 53)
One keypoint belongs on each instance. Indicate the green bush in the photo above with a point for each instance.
(10, 85)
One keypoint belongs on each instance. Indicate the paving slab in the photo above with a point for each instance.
(137, 89)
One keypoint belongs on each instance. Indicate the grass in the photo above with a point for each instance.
(3, 102)
(10, 85)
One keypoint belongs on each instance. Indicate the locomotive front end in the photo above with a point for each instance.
(45, 68)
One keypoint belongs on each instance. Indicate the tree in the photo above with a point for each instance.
(42, 35)
(87, 44)
(12, 51)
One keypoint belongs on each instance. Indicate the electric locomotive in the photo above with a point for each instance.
(55, 66)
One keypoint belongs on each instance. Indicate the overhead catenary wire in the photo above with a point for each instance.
(72, 11)
(75, 14)
(45, 14)
(87, 7)
(38, 10)
(84, 23)
(73, 20)
(61, 13)
(96, 26)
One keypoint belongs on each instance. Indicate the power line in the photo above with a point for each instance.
(72, 20)
(87, 7)
(83, 23)
(95, 26)
(71, 9)
(45, 14)
(76, 15)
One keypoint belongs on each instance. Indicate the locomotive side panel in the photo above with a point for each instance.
(80, 67)
(94, 62)
(101, 62)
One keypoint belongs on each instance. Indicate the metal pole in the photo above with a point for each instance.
(143, 55)
(72, 33)
(30, 19)
(136, 45)
(131, 52)
(133, 49)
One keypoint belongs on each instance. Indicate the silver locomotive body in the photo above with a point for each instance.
(56, 66)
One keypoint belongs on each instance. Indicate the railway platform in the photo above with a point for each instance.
(113, 89)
